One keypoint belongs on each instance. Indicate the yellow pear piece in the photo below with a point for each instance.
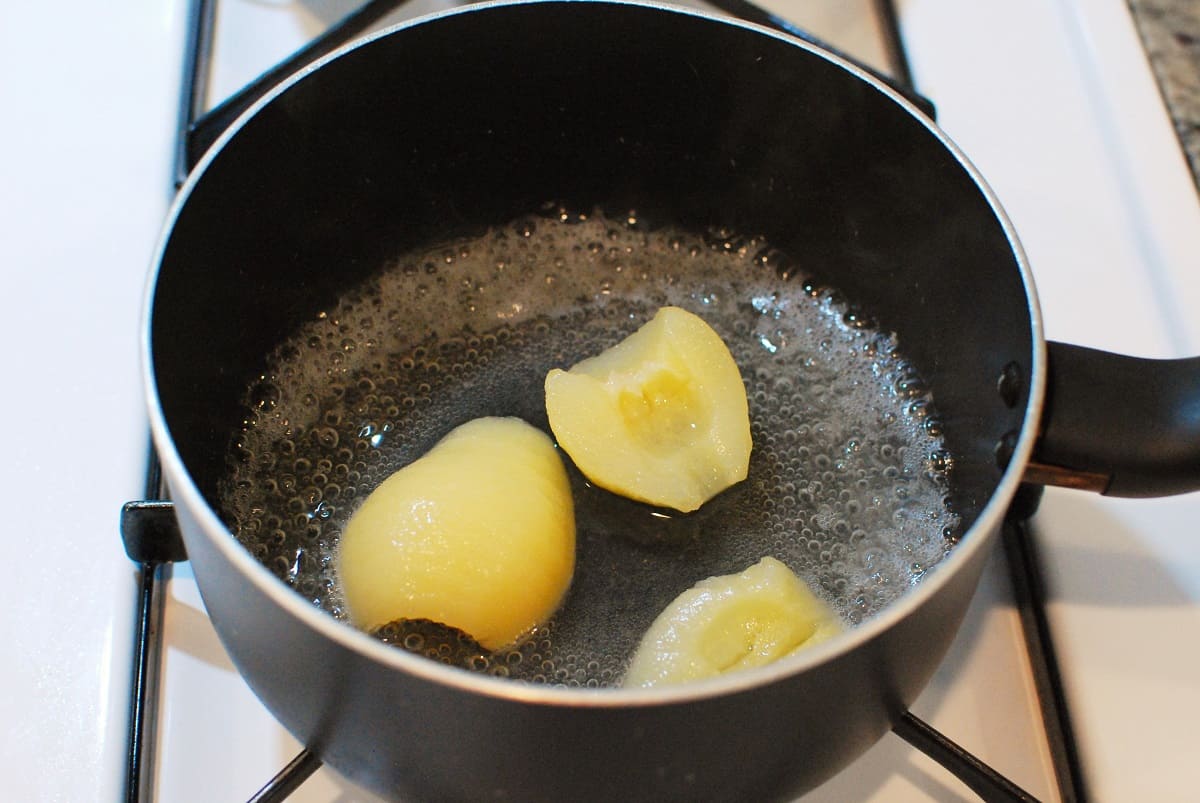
(732, 622)
(661, 417)
(478, 534)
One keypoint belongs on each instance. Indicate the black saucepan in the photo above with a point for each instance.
(440, 129)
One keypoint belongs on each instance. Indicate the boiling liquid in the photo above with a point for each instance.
(848, 478)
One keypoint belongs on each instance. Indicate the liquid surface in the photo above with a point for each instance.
(848, 478)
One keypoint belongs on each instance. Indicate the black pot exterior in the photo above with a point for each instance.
(477, 117)
(413, 736)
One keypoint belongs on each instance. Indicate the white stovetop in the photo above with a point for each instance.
(1051, 98)
(1095, 183)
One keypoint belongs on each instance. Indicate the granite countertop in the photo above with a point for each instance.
(1170, 31)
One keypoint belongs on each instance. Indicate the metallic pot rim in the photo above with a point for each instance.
(976, 538)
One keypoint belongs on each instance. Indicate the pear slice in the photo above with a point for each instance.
(732, 622)
(478, 534)
(661, 417)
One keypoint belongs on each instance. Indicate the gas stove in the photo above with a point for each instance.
(1054, 102)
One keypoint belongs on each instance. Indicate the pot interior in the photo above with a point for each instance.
(413, 234)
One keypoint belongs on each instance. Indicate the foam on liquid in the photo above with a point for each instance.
(848, 478)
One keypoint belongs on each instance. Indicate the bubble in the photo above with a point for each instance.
(264, 395)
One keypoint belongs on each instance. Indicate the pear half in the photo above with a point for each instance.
(732, 622)
(478, 534)
(661, 417)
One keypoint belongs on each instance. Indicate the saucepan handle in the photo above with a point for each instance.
(1119, 425)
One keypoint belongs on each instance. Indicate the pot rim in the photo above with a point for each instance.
(978, 537)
